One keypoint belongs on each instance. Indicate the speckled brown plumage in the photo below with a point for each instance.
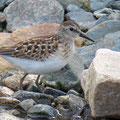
(38, 48)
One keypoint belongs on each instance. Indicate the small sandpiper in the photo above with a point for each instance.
(44, 54)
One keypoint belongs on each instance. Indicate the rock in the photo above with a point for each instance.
(53, 92)
(42, 111)
(9, 1)
(66, 3)
(73, 92)
(98, 4)
(85, 19)
(6, 116)
(45, 11)
(64, 79)
(5, 92)
(101, 84)
(98, 32)
(73, 8)
(114, 16)
(2, 17)
(101, 19)
(13, 82)
(37, 97)
(64, 100)
(114, 4)
(76, 103)
(26, 104)
(105, 11)
(8, 100)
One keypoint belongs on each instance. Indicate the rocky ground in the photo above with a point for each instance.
(88, 88)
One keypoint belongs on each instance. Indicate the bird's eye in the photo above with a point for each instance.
(71, 29)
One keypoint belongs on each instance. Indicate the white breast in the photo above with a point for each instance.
(37, 67)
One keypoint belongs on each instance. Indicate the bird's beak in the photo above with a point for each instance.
(84, 36)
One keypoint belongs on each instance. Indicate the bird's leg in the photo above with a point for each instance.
(40, 86)
(21, 81)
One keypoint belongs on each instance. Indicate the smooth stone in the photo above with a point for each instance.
(45, 11)
(54, 92)
(23, 95)
(64, 79)
(76, 103)
(85, 19)
(26, 104)
(64, 100)
(101, 20)
(73, 92)
(98, 4)
(98, 32)
(42, 111)
(101, 84)
(74, 8)
(5, 92)
(13, 82)
(8, 100)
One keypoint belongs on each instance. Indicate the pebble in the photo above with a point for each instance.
(54, 92)
(42, 111)
(5, 92)
(37, 97)
(26, 104)
(8, 100)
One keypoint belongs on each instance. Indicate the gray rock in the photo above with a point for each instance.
(26, 13)
(101, 20)
(114, 16)
(76, 103)
(42, 111)
(3, 3)
(53, 92)
(85, 19)
(105, 11)
(98, 32)
(64, 79)
(74, 8)
(37, 97)
(114, 4)
(9, 1)
(98, 4)
(26, 104)
(65, 3)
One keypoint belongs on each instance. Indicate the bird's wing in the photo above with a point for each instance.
(38, 48)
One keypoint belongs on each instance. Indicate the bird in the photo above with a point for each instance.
(44, 54)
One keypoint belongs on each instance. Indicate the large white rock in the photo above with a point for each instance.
(101, 84)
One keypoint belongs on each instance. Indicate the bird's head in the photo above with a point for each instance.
(71, 30)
